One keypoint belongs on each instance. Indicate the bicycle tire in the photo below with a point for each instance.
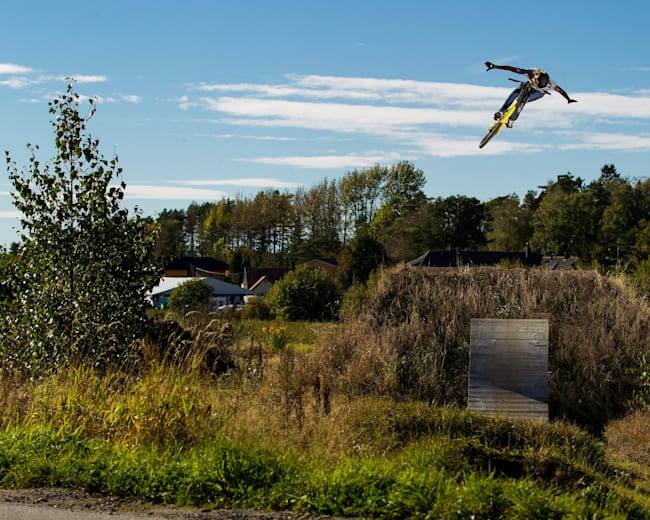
(522, 98)
(492, 131)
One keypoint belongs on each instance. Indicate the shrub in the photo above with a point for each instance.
(305, 294)
(193, 295)
(256, 309)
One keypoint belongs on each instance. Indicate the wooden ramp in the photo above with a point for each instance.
(508, 368)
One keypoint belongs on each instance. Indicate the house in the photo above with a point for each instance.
(260, 280)
(457, 258)
(223, 293)
(329, 265)
(189, 266)
(261, 287)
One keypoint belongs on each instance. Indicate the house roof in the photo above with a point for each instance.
(220, 288)
(273, 274)
(204, 263)
(259, 281)
(330, 261)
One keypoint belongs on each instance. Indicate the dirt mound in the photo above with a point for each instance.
(412, 339)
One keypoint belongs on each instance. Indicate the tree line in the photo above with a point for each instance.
(74, 289)
(381, 215)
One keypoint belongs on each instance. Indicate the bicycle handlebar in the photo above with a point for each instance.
(524, 82)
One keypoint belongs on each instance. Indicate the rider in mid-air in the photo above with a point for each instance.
(540, 80)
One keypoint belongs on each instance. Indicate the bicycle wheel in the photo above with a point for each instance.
(493, 130)
(522, 99)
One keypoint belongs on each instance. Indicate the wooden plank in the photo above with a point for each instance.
(508, 373)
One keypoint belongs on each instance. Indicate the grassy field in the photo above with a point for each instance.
(173, 438)
(296, 422)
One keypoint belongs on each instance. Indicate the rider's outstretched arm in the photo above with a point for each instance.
(516, 70)
(559, 89)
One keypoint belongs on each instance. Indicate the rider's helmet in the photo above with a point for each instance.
(543, 79)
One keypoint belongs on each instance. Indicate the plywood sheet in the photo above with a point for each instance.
(508, 368)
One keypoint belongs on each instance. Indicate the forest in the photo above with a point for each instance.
(381, 216)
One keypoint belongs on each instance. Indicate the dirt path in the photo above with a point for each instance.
(81, 501)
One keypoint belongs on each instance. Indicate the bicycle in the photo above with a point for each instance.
(522, 99)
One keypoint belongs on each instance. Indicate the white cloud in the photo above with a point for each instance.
(131, 98)
(184, 103)
(257, 137)
(10, 214)
(336, 117)
(614, 106)
(610, 141)
(328, 161)
(85, 78)
(427, 118)
(16, 82)
(248, 182)
(12, 68)
(361, 89)
(157, 192)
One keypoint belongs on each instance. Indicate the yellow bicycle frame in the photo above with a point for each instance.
(504, 118)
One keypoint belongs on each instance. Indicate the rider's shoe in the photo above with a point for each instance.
(509, 123)
(498, 115)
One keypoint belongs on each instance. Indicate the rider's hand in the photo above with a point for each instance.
(489, 65)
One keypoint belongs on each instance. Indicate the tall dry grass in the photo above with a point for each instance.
(412, 339)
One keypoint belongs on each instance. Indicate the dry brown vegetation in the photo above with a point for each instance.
(412, 338)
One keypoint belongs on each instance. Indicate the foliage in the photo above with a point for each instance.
(193, 295)
(256, 309)
(7, 263)
(353, 301)
(276, 337)
(266, 437)
(458, 221)
(360, 194)
(360, 257)
(357, 296)
(510, 223)
(317, 220)
(402, 190)
(170, 238)
(85, 263)
(604, 223)
(304, 294)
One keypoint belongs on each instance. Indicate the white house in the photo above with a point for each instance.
(223, 293)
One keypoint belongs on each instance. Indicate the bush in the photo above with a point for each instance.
(193, 295)
(256, 309)
(305, 294)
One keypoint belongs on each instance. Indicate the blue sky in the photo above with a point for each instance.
(205, 99)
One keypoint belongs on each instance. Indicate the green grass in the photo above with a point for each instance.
(415, 482)
(385, 459)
